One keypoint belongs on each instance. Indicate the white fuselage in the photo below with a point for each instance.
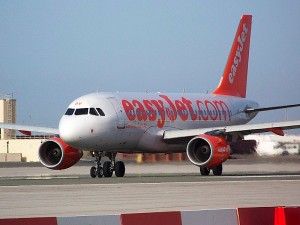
(136, 122)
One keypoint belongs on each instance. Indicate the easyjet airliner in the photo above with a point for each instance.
(202, 125)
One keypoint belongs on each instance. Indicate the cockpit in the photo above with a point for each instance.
(85, 111)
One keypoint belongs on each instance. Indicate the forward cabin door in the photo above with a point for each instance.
(119, 111)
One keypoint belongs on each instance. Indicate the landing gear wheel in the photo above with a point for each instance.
(100, 172)
(120, 169)
(97, 170)
(218, 170)
(107, 171)
(204, 171)
(93, 172)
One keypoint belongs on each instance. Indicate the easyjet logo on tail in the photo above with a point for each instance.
(238, 54)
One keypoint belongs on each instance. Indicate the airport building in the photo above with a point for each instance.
(12, 147)
(7, 115)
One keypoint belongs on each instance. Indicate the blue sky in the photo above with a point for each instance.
(54, 51)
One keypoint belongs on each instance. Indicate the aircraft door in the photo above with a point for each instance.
(119, 111)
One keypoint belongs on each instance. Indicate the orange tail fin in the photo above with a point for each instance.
(234, 79)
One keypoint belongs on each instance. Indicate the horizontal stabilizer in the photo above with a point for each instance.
(271, 108)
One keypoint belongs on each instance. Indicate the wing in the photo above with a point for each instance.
(235, 130)
(45, 130)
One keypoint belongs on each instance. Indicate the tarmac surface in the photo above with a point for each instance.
(30, 190)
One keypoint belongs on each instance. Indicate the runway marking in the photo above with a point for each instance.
(39, 178)
(117, 185)
(146, 180)
(50, 178)
(263, 176)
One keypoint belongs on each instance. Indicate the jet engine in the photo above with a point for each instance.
(57, 155)
(208, 151)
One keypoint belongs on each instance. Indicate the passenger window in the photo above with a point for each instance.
(100, 112)
(69, 112)
(81, 111)
(93, 112)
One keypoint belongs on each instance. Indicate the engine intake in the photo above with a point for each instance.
(208, 151)
(57, 155)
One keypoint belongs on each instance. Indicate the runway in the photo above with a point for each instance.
(30, 191)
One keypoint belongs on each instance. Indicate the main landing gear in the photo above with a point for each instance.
(108, 167)
(217, 170)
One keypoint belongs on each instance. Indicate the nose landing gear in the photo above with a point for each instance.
(108, 167)
(97, 170)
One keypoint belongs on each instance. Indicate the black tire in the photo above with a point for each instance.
(204, 171)
(100, 172)
(93, 172)
(107, 172)
(120, 169)
(218, 170)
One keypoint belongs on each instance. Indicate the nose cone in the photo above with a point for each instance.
(70, 131)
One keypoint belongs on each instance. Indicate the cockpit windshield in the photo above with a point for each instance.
(85, 111)
(81, 111)
(100, 112)
(93, 112)
(69, 112)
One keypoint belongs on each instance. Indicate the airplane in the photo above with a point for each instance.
(202, 125)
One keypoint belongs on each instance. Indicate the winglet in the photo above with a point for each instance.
(234, 79)
(276, 130)
(25, 132)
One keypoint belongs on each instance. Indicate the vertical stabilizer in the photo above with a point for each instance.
(234, 79)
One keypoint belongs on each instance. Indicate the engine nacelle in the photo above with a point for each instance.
(208, 151)
(57, 155)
